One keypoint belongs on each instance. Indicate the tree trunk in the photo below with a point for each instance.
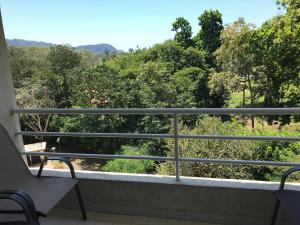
(251, 98)
(244, 93)
(244, 101)
(244, 96)
(66, 102)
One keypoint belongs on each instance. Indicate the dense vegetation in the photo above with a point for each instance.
(234, 65)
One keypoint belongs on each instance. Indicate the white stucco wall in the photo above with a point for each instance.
(7, 95)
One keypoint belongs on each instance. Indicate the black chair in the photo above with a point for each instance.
(26, 207)
(289, 199)
(37, 196)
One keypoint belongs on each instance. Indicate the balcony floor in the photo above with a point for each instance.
(70, 217)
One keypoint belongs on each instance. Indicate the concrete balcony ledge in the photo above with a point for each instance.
(220, 201)
(161, 179)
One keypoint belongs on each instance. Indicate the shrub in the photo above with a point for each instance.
(129, 165)
(229, 149)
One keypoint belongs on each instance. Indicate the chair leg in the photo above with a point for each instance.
(275, 212)
(83, 212)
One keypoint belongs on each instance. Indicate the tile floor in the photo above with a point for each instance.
(70, 217)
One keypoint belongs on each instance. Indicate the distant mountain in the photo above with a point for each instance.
(21, 42)
(97, 48)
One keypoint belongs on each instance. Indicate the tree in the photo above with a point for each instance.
(25, 62)
(63, 60)
(291, 92)
(208, 37)
(37, 96)
(183, 30)
(236, 56)
(193, 57)
(20, 65)
(278, 42)
(220, 87)
(27, 66)
(169, 52)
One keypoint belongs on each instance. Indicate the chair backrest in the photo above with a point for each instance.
(12, 166)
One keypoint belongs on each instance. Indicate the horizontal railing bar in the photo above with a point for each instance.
(239, 162)
(134, 135)
(98, 156)
(84, 134)
(228, 137)
(165, 111)
(159, 158)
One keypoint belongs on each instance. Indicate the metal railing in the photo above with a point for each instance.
(175, 112)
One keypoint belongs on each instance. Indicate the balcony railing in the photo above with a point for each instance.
(174, 112)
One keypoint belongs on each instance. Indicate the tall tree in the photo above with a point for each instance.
(26, 62)
(236, 56)
(211, 27)
(278, 42)
(183, 30)
(37, 96)
(63, 60)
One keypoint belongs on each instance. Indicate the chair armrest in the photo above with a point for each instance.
(23, 200)
(286, 174)
(66, 161)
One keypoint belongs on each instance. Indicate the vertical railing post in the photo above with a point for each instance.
(176, 147)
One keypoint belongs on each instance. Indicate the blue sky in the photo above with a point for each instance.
(122, 23)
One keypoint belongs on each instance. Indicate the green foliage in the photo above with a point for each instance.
(169, 53)
(278, 41)
(236, 57)
(212, 149)
(27, 66)
(183, 30)
(62, 59)
(275, 151)
(228, 149)
(291, 93)
(128, 165)
(62, 62)
(220, 86)
(26, 63)
(211, 26)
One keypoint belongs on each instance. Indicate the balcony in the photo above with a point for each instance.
(114, 198)
(144, 199)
